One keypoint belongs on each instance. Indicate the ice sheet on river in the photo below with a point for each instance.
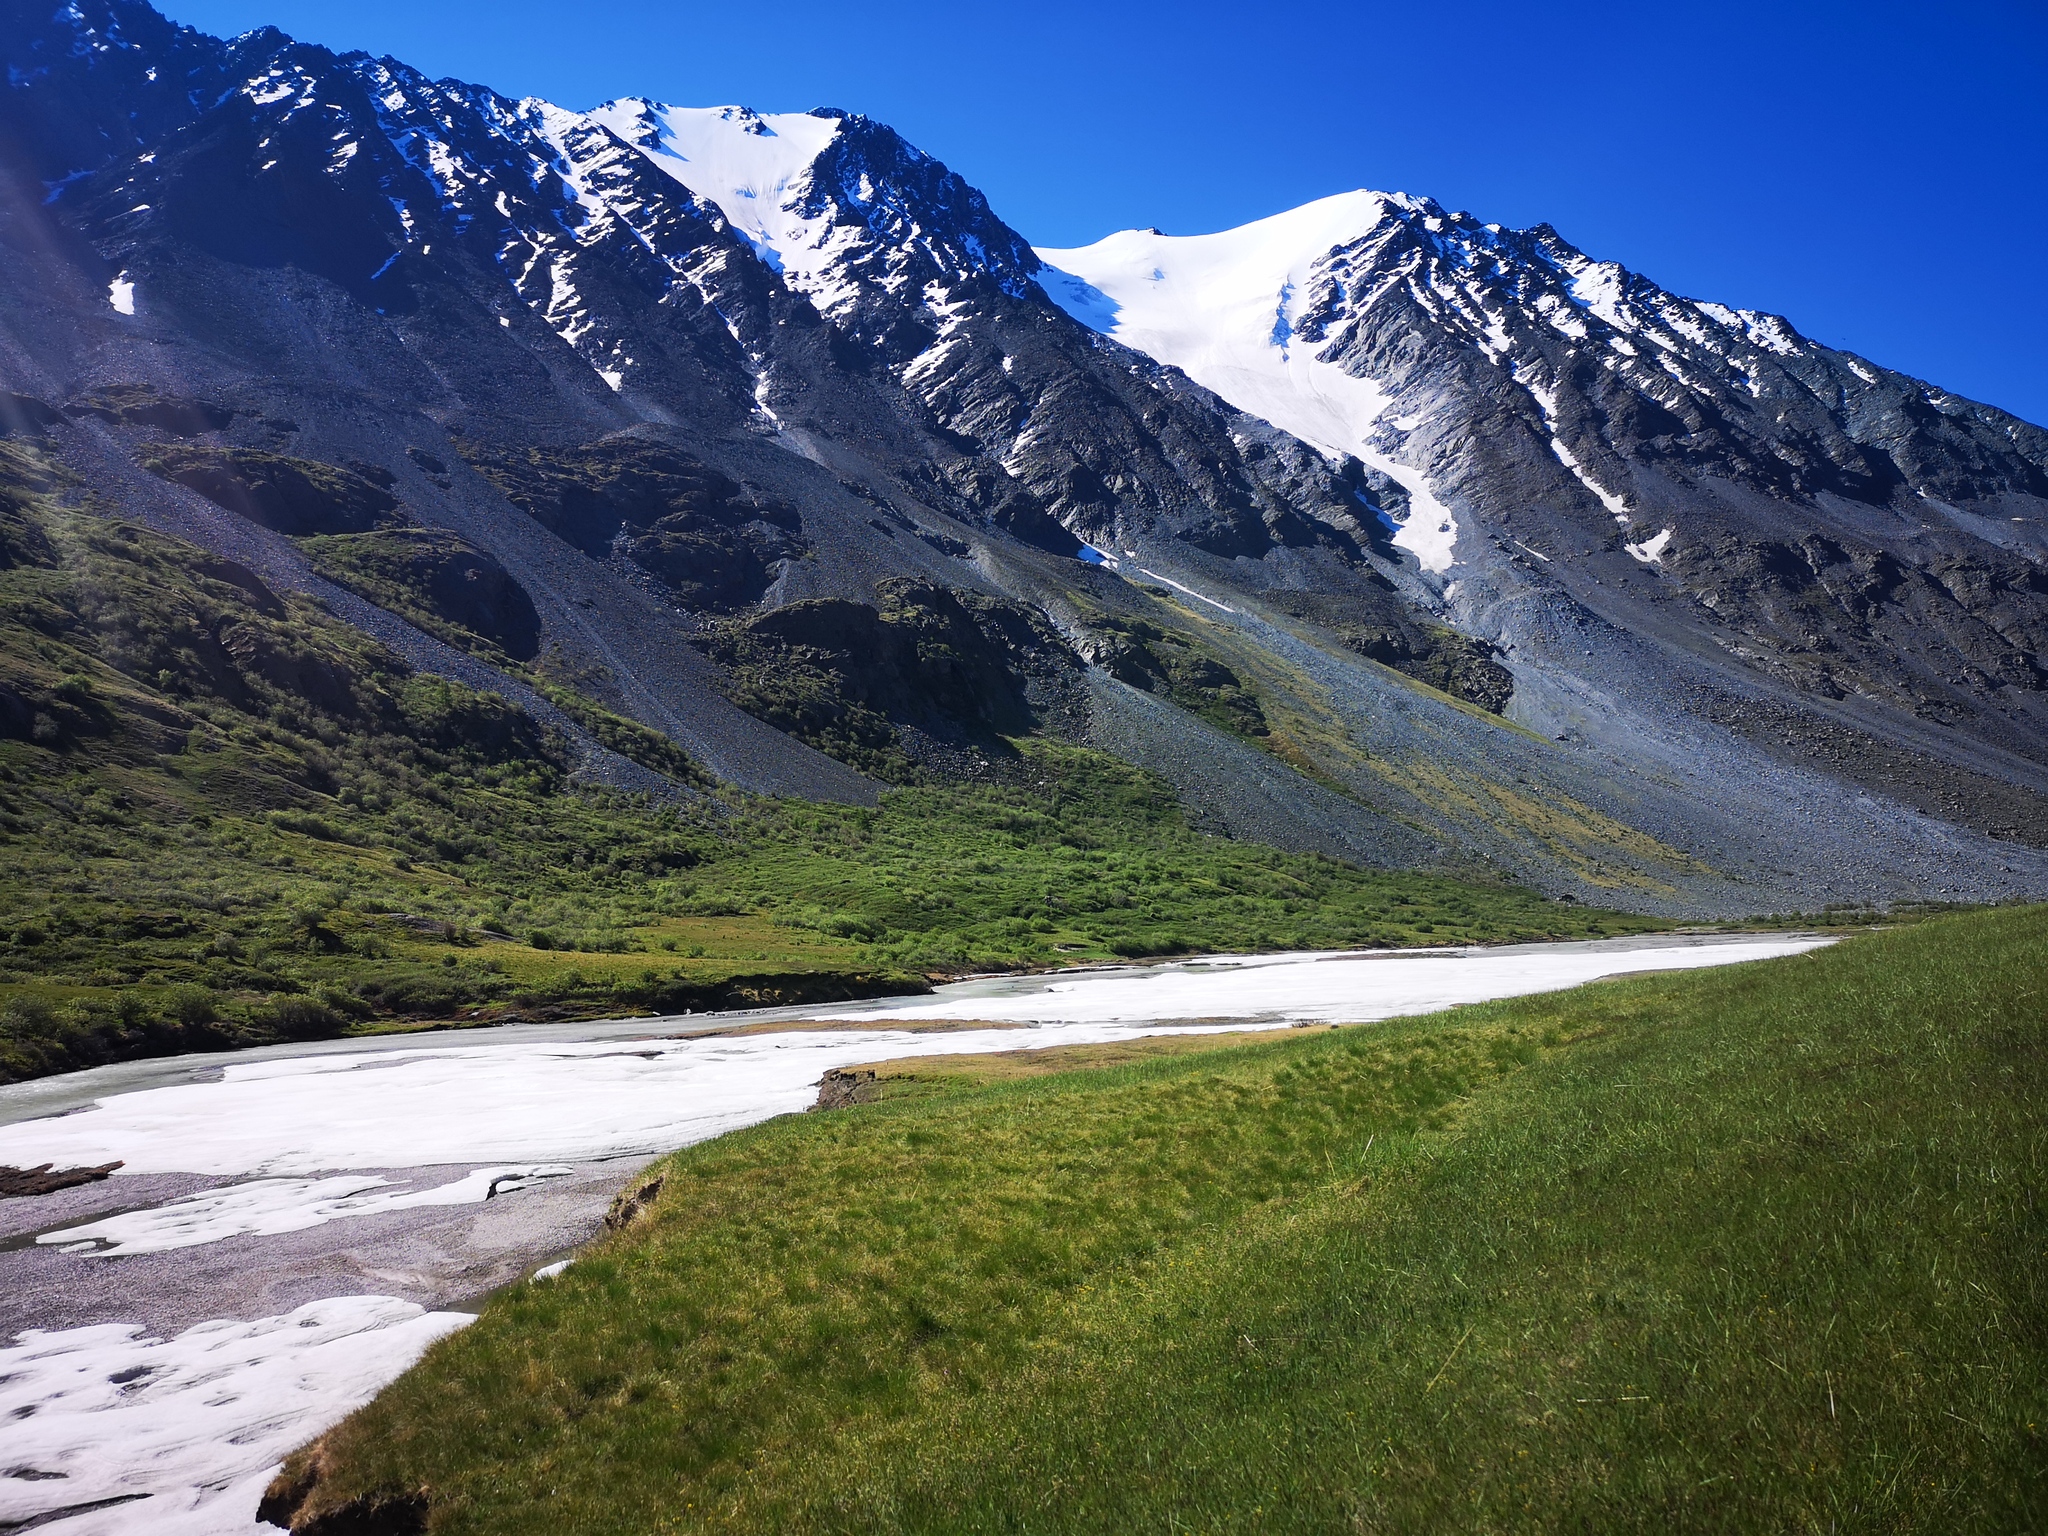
(1339, 987)
(526, 1102)
(179, 1436)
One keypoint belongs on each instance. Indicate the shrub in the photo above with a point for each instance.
(303, 1018)
(191, 1005)
(29, 1016)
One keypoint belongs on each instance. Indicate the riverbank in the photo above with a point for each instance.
(428, 1114)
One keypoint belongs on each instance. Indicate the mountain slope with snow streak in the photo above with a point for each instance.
(906, 258)
(1692, 474)
(1226, 309)
(1356, 453)
(820, 197)
(1287, 318)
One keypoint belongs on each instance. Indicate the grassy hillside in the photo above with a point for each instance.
(226, 818)
(1758, 1249)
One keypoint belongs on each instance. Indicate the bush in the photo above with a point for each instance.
(303, 1018)
(29, 1016)
(343, 1002)
(311, 826)
(424, 996)
(191, 1006)
(1138, 946)
(540, 938)
(845, 926)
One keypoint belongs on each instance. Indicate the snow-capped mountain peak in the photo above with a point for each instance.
(754, 167)
(1425, 342)
(841, 207)
(1246, 312)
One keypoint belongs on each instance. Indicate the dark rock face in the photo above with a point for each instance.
(1023, 517)
(921, 674)
(683, 523)
(291, 496)
(25, 416)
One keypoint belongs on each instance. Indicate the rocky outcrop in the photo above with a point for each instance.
(1392, 633)
(843, 1087)
(294, 1501)
(140, 405)
(291, 496)
(923, 672)
(438, 578)
(631, 1204)
(667, 513)
(1175, 665)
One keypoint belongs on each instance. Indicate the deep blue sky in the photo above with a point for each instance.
(1877, 171)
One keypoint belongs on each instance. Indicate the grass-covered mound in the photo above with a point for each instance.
(1758, 1249)
(227, 818)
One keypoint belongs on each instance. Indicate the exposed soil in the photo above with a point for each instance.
(46, 1180)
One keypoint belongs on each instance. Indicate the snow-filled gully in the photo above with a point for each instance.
(117, 1427)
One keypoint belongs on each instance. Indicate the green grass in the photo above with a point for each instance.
(226, 818)
(1757, 1249)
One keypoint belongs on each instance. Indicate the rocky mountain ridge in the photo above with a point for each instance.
(1868, 531)
(668, 372)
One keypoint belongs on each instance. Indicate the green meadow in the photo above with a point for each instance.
(1753, 1249)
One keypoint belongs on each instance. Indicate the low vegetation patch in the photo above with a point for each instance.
(1746, 1249)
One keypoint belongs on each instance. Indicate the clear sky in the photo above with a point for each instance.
(1877, 170)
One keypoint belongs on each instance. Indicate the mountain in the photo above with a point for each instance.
(1824, 551)
(1380, 533)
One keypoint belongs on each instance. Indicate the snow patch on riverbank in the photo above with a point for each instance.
(271, 1206)
(180, 1436)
